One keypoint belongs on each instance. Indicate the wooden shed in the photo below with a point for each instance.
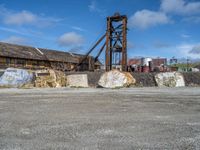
(17, 56)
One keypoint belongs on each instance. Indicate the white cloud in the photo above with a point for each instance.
(15, 40)
(193, 19)
(185, 36)
(161, 44)
(23, 31)
(24, 17)
(146, 18)
(189, 50)
(10, 30)
(78, 28)
(180, 7)
(93, 7)
(20, 18)
(195, 50)
(70, 39)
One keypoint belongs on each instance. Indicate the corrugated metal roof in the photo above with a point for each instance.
(27, 52)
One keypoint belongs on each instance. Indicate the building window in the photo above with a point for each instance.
(21, 62)
(7, 61)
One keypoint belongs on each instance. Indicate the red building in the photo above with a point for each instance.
(159, 61)
(134, 61)
(156, 64)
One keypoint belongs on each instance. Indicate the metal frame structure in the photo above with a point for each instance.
(116, 42)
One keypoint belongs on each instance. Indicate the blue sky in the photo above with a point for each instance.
(157, 28)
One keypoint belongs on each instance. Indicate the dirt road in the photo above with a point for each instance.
(90, 119)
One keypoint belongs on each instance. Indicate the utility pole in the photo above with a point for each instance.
(188, 64)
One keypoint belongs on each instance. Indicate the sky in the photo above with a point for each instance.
(156, 28)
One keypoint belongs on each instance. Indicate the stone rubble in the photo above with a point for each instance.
(49, 78)
(116, 79)
(14, 78)
(170, 79)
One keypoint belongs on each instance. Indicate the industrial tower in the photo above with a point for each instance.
(116, 42)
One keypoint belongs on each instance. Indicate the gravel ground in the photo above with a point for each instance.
(90, 119)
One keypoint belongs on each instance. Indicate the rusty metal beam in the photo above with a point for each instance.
(97, 43)
(116, 42)
(124, 45)
(101, 50)
(87, 54)
(108, 53)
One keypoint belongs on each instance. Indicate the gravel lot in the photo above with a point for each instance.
(90, 119)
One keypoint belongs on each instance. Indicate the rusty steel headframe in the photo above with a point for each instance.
(116, 42)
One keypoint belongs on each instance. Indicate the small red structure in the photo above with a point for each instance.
(147, 64)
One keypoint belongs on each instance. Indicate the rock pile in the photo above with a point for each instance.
(192, 78)
(49, 78)
(13, 77)
(144, 79)
(116, 79)
(170, 79)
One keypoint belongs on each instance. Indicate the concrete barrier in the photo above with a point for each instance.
(77, 80)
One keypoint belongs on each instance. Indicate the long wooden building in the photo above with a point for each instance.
(17, 56)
